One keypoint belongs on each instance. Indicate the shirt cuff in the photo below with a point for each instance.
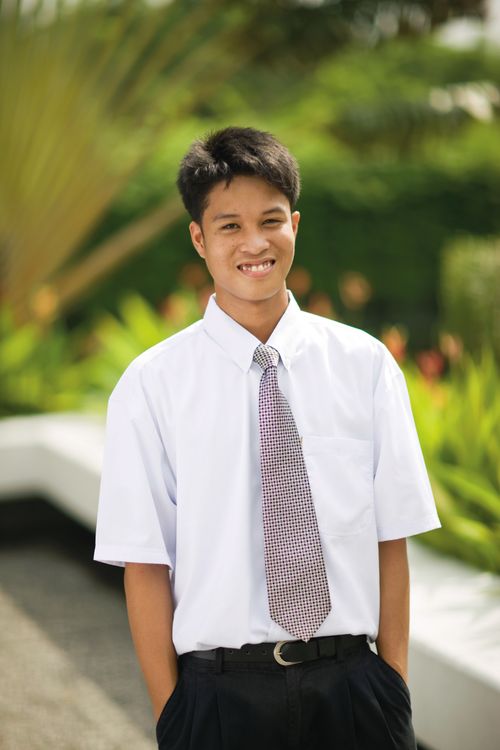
(409, 528)
(120, 555)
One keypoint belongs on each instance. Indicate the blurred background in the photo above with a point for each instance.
(393, 112)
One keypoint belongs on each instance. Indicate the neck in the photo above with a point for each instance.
(259, 317)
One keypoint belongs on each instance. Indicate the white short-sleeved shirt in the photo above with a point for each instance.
(181, 480)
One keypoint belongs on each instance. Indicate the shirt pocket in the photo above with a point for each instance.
(340, 471)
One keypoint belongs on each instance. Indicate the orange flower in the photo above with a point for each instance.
(355, 290)
(451, 346)
(431, 363)
(299, 281)
(194, 275)
(174, 308)
(320, 303)
(203, 296)
(395, 339)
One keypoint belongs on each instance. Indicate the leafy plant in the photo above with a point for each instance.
(47, 369)
(39, 369)
(458, 421)
(117, 340)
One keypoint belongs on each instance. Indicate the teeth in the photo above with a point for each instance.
(261, 267)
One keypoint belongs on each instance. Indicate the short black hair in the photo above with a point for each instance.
(223, 154)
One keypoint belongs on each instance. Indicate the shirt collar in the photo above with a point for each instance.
(240, 344)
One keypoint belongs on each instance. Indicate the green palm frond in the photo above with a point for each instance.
(86, 92)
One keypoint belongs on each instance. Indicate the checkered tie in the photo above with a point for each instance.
(297, 584)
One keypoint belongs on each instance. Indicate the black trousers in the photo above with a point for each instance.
(357, 702)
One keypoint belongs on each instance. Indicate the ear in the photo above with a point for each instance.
(295, 221)
(197, 238)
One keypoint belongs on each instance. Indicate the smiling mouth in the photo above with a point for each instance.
(256, 268)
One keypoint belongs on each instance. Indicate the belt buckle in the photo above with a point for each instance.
(279, 658)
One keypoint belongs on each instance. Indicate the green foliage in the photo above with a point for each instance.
(470, 284)
(49, 370)
(118, 340)
(458, 422)
(293, 35)
(38, 368)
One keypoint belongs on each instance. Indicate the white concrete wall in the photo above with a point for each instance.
(57, 456)
(454, 658)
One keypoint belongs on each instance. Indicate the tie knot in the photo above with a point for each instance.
(266, 356)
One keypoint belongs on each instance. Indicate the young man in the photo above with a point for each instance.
(261, 474)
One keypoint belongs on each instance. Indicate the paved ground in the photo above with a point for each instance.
(69, 679)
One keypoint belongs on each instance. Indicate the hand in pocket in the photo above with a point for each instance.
(166, 702)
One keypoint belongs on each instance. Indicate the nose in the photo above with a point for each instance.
(254, 242)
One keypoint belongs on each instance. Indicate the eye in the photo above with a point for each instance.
(229, 226)
(275, 221)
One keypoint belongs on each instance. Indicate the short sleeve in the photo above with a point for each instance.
(136, 517)
(404, 502)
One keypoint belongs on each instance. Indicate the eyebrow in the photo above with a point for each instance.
(272, 210)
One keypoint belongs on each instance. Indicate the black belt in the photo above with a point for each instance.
(287, 652)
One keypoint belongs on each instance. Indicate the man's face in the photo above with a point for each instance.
(245, 224)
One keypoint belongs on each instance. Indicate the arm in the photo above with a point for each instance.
(393, 634)
(150, 613)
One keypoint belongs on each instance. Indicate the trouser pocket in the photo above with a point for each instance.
(392, 672)
(169, 706)
(393, 697)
